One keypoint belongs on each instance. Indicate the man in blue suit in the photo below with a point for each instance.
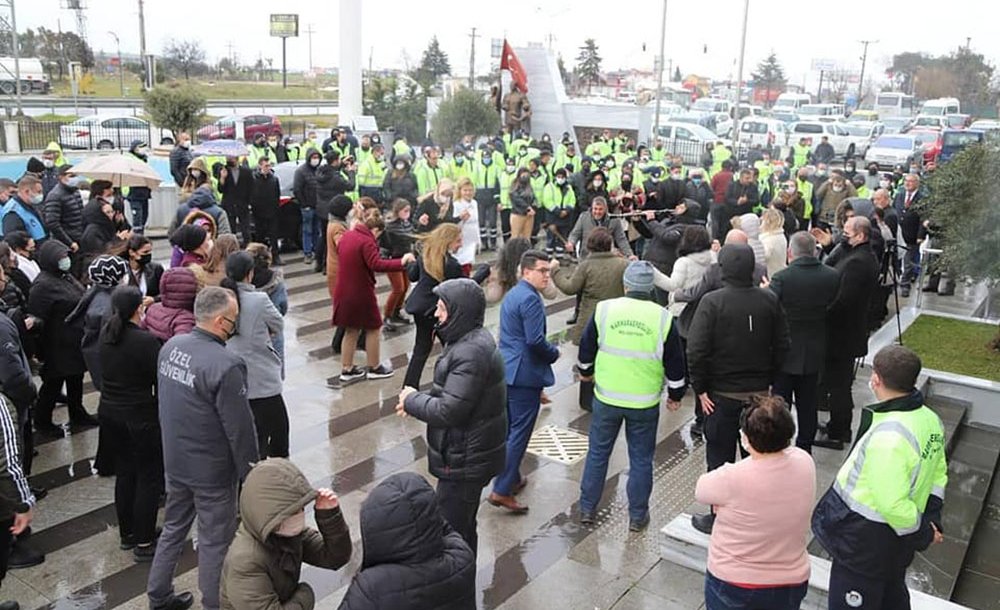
(528, 358)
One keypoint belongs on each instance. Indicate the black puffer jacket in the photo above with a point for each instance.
(304, 181)
(53, 296)
(99, 232)
(413, 560)
(64, 213)
(330, 182)
(739, 336)
(464, 410)
(664, 235)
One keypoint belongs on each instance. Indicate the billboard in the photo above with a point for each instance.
(284, 25)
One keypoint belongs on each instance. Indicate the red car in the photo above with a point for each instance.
(253, 124)
(930, 142)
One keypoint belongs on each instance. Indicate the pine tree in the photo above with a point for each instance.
(677, 75)
(770, 75)
(433, 65)
(588, 63)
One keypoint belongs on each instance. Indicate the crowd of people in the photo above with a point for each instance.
(756, 287)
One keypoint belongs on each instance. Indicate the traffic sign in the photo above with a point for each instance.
(284, 25)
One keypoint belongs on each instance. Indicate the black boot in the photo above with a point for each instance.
(180, 601)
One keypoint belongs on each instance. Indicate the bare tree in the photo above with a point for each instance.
(184, 55)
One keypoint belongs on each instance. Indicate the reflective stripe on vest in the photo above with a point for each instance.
(628, 369)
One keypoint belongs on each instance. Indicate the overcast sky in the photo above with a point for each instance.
(396, 30)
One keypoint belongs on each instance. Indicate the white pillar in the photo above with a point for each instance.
(13, 134)
(350, 60)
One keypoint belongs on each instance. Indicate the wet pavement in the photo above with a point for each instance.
(350, 439)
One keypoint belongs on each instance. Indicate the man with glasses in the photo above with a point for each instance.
(209, 445)
(528, 359)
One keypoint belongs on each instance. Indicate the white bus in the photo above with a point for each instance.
(893, 103)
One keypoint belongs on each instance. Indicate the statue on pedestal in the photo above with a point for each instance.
(517, 110)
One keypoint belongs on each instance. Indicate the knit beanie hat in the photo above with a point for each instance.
(107, 271)
(188, 237)
(639, 277)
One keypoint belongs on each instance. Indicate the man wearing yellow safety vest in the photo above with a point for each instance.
(630, 349)
(371, 174)
(800, 154)
(885, 503)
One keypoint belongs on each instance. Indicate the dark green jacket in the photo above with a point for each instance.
(805, 289)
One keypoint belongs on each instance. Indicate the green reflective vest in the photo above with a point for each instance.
(559, 198)
(894, 468)
(628, 370)
(457, 171)
(428, 177)
(806, 188)
(658, 154)
(486, 176)
(800, 155)
(506, 179)
(864, 192)
(371, 172)
(363, 155)
(720, 154)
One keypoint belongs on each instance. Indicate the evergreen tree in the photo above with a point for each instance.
(588, 63)
(677, 75)
(769, 75)
(433, 65)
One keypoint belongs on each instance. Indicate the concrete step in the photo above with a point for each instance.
(978, 583)
(685, 546)
(952, 412)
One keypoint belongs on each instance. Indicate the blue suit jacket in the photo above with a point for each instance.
(527, 355)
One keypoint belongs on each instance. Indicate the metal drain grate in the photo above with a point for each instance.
(559, 444)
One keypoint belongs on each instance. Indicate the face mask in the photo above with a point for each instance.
(609, 164)
(676, 177)
(560, 181)
(37, 198)
(142, 150)
(850, 168)
(233, 326)
(314, 162)
(65, 264)
(523, 179)
(696, 181)
(74, 182)
(510, 169)
(790, 190)
(837, 189)
(49, 163)
(400, 166)
(821, 172)
(598, 184)
(883, 184)
(487, 161)
(186, 144)
(292, 526)
(196, 174)
(145, 259)
(459, 160)
(272, 143)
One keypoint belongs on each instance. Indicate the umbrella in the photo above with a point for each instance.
(221, 148)
(121, 170)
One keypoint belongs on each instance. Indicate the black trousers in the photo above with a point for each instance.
(47, 394)
(6, 542)
(266, 231)
(805, 391)
(459, 503)
(505, 223)
(722, 431)
(850, 591)
(720, 214)
(320, 246)
(138, 458)
(422, 346)
(838, 377)
(271, 420)
(24, 423)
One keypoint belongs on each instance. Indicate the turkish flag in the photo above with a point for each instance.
(510, 62)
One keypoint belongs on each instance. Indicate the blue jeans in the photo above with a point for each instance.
(720, 595)
(309, 229)
(640, 436)
(522, 411)
(140, 214)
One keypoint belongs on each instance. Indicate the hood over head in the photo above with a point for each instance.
(274, 490)
(198, 163)
(692, 212)
(178, 288)
(862, 207)
(312, 151)
(49, 254)
(203, 219)
(737, 261)
(35, 166)
(92, 215)
(750, 224)
(401, 522)
(466, 304)
(189, 237)
(202, 198)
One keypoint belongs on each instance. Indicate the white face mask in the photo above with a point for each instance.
(883, 184)
(837, 189)
(292, 526)
(314, 162)
(49, 163)
(560, 181)
(598, 184)
(400, 166)
(196, 173)
(186, 144)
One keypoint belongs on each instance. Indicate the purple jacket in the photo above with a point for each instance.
(174, 313)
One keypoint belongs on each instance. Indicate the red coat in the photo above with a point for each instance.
(354, 301)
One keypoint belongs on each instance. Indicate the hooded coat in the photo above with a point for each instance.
(63, 208)
(99, 230)
(53, 296)
(203, 199)
(262, 570)
(173, 314)
(750, 224)
(739, 337)
(304, 181)
(465, 408)
(403, 187)
(413, 560)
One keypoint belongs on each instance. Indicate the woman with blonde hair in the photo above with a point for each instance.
(435, 207)
(772, 235)
(355, 306)
(211, 272)
(466, 212)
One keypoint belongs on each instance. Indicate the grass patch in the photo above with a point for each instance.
(955, 346)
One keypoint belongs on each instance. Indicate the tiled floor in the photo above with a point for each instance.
(350, 439)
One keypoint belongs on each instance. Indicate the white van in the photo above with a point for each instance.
(941, 106)
(768, 133)
(33, 77)
(817, 111)
(792, 101)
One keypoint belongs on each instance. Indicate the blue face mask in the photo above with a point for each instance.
(487, 161)
(459, 160)
(65, 264)
(696, 181)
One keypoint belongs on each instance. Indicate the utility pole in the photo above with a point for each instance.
(659, 78)
(864, 60)
(149, 81)
(472, 59)
(739, 75)
(121, 68)
(309, 32)
(229, 51)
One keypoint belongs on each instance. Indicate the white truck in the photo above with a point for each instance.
(33, 77)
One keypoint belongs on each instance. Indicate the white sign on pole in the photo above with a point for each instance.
(823, 65)
(496, 48)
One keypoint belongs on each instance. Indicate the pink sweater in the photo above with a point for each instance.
(763, 507)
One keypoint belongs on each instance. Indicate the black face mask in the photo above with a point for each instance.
(524, 180)
(145, 259)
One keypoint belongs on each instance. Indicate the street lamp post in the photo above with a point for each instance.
(659, 79)
(121, 68)
(739, 76)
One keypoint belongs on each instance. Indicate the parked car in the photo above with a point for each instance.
(863, 116)
(990, 127)
(768, 133)
(786, 116)
(929, 140)
(928, 121)
(954, 141)
(863, 134)
(687, 140)
(720, 109)
(890, 150)
(836, 133)
(253, 124)
(791, 102)
(896, 124)
(958, 121)
(810, 112)
(751, 111)
(104, 132)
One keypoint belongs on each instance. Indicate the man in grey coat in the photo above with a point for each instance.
(209, 445)
(597, 217)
